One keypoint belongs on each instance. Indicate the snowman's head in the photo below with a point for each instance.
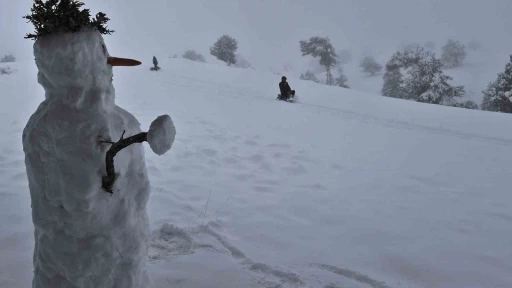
(75, 60)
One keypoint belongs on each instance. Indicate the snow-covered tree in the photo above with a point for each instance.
(427, 83)
(224, 49)
(314, 66)
(6, 70)
(321, 47)
(393, 75)
(8, 58)
(89, 191)
(453, 54)
(309, 76)
(466, 104)
(345, 57)
(241, 62)
(393, 82)
(341, 81)
(192, 55)
(498, 95)
(424, 80)
(370, 66)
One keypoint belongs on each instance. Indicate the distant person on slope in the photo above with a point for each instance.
(286, 91)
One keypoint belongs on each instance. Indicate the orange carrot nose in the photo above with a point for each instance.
(114, 61)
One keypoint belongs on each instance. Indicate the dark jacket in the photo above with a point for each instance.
(155, 62)
(284, 87)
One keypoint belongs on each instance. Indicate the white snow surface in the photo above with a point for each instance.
(84, 236)
(161, 134)
(343, 189)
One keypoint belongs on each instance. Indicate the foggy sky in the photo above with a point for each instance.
(268, 31)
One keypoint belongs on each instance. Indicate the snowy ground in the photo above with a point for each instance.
(343, 189)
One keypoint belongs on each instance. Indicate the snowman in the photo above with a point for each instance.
(85, 165)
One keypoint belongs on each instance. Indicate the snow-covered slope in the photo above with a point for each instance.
(479, 69)
(344, 189)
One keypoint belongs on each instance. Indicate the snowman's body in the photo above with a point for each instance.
(84, 237)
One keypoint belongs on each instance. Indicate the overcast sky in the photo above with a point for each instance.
(268, 31)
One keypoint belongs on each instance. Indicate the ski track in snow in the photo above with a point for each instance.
(215, 178)
(250, 162)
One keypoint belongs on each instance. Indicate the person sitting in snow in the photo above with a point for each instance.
(286, 91)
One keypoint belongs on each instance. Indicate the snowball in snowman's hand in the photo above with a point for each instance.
(161, 134)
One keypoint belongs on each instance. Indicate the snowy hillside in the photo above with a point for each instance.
(343, 189)
(479, 68)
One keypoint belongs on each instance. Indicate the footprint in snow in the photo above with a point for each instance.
(278, 155)
(265, 167)
(256, 158)
(231, 160)
(243, 177)
(279, 145)
(316, 186)
(250, 143)
(350, 274)
(219, 138)
(262, 189)
(184, 155)
(268, 182)
(336, 166)
(214, 162)
(170, 241)
(296, 169)
(208, 152)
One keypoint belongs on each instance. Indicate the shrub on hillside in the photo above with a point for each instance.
(467, 104)
(6, 70)
(193, 56)
(241, 62)
(309, 76)
(8, 58)
(370, 66)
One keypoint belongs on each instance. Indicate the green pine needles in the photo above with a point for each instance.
(61, 16)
